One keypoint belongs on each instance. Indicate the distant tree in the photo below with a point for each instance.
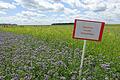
(62, 23)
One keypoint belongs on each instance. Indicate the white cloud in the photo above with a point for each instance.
(73, 3)
(69, 11)
(114, 1)
(70, 2)
(94, 5)
(97, 7)
(30, 4)
(4, 6)
(29, 14)
(27, 18)
(58, 7)
(21, 20)
(43, 5)
(50, 11)
(2, 12)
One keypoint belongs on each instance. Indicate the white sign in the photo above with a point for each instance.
(88, 30)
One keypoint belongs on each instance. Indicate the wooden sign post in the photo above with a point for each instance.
(87, 30)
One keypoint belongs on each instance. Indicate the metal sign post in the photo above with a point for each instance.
(87, 30)
(82, 59)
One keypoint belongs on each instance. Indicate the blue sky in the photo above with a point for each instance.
(56, 11)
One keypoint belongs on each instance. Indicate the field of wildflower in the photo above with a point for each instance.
(50, 53)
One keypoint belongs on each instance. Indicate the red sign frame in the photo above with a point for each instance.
(100, 34)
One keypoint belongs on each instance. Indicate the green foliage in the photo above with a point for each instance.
(104, 53)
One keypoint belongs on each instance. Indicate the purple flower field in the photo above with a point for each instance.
(23, 57)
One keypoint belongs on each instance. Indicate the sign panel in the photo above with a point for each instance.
(88, 30)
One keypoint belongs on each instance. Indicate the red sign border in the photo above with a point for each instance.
(100, 34)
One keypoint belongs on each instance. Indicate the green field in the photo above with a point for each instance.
(102, 59)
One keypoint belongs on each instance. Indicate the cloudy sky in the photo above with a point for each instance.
(55, 11)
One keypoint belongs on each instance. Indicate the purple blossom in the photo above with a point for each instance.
(27, 77)
(105, 66)
(1, 78)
